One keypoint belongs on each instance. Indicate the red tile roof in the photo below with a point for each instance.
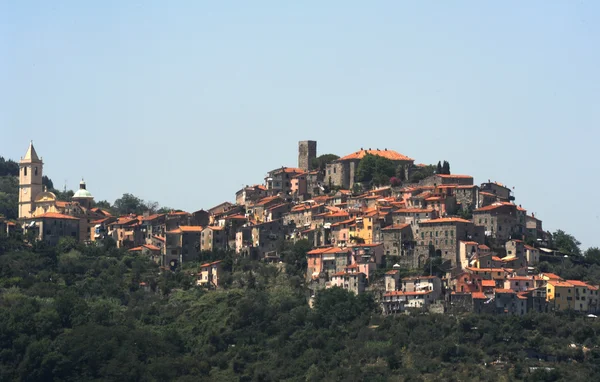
(388, 154)
(454, 176)
(478, 296)
(510, 291)
(395, 227)
(210, 264)
(445, 220)
(54, 215)
(191, 228)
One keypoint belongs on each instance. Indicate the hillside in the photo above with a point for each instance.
(75, 313)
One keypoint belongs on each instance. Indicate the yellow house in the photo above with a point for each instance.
(565, 295)
(368, 227)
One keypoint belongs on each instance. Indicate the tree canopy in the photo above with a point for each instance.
(566, 243)
(320, 162)
(81, 313)
(375, 169)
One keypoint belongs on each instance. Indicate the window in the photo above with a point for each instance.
(36, 171)
(25, 171)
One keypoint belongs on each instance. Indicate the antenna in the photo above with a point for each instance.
(65, 188)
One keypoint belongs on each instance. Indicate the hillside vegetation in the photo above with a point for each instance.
(74, 313)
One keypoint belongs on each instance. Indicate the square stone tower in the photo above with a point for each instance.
(307, 151)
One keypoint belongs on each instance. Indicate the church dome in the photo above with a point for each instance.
(45, 196)
(82, 193)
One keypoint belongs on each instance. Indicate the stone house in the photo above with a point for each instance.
(441, 237)
(280, 180)
(51, 226)
(500, 191)
(340, 232)
(532, 255)
(398, 241)
(350, 280)
(149, 251)
(301, 215)
(250, 195)
(444, 179)
(213, 238)
(342, 172)
(499, 220)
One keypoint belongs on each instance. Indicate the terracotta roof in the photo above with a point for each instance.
(151, 247)
(136, 249)
(563, 284)
(488, 283)
(235, 217)
(551, 276)
(578, 283)
(395, 227)
(191, 228)
(494, 206)
(484, 247)
(522, 278)
(54, 215)
(413, 210)
(287, 170)
(388, 154)
(499, 290)
(215, 228)
(454, 176)
(445, 220)
(392, 272)
(158, 238)
(178, 213)
(469, 242)
(210, 264)
(152, 217)
(478, 296)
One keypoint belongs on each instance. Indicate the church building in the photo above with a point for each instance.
(45, 215)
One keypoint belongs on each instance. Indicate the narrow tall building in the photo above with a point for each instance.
(307, 151)
(30, 182)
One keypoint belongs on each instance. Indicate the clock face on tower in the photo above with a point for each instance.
(25, 191)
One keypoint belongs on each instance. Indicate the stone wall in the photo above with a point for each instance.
(307, 151)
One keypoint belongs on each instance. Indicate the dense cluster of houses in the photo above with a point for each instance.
(476, 233)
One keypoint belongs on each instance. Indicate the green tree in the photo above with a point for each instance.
(129, 204)
(419, 173)
(375, 169)
(321, 162)
(446, 168)
(566, 243)
(8, 167)
(592, 255)
(439, 169)
(9, 196)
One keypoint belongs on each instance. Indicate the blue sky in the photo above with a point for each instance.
(184, 102)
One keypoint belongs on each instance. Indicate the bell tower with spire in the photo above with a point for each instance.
(30, 181)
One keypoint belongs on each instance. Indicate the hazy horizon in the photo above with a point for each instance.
(184, 103)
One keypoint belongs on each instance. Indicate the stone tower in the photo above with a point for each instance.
(30, 181)
(307, 151)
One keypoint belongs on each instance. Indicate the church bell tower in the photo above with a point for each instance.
(30, 182)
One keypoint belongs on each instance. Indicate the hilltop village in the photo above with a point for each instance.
(422, 239)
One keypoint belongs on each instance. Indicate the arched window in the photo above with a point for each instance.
(36, 172)
(25, 171)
